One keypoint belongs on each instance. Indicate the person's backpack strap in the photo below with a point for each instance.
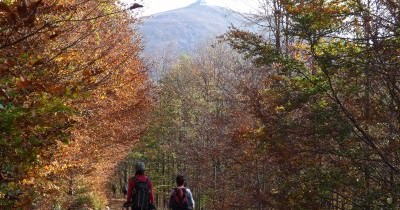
(184, 200)
(180, 196)
(148, 181)
(135, 181)
(176, 195)
(141, 200)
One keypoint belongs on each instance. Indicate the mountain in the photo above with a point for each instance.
(185, 28)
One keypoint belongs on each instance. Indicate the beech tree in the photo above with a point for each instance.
(69, 74)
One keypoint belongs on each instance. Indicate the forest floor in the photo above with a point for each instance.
(116, 203)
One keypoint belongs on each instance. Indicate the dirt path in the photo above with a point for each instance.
(116, 203)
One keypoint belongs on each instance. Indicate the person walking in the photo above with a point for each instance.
(140, 190)
(181, 197)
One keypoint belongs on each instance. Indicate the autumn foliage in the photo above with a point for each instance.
(72, 98)
(304, 117)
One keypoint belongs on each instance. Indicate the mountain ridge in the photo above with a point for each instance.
(184, 28)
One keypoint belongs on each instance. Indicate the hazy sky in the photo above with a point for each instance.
(155, 6)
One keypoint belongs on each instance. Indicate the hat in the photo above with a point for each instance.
(139, 166)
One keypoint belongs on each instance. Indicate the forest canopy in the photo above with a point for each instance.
(304, 115)
(301, 115)
(69, 73)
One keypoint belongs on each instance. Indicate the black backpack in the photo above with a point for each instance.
(141, 195)
(180, 199)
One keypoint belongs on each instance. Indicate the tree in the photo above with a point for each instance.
(328, 84)
(66, 67)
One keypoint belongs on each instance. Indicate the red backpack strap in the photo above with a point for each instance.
(184, 195)
(176, 195)
(180, 193)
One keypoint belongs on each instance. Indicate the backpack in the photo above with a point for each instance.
(141, 195)
(180, 199)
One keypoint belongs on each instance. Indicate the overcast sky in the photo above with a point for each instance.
(156, 6)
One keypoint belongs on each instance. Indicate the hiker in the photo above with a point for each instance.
(181, 197)
(140, 190)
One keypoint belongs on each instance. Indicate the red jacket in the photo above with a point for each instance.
(131, 186)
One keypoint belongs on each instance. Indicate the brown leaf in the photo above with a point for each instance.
(11, 16)
(3, 68)
(22, 82)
